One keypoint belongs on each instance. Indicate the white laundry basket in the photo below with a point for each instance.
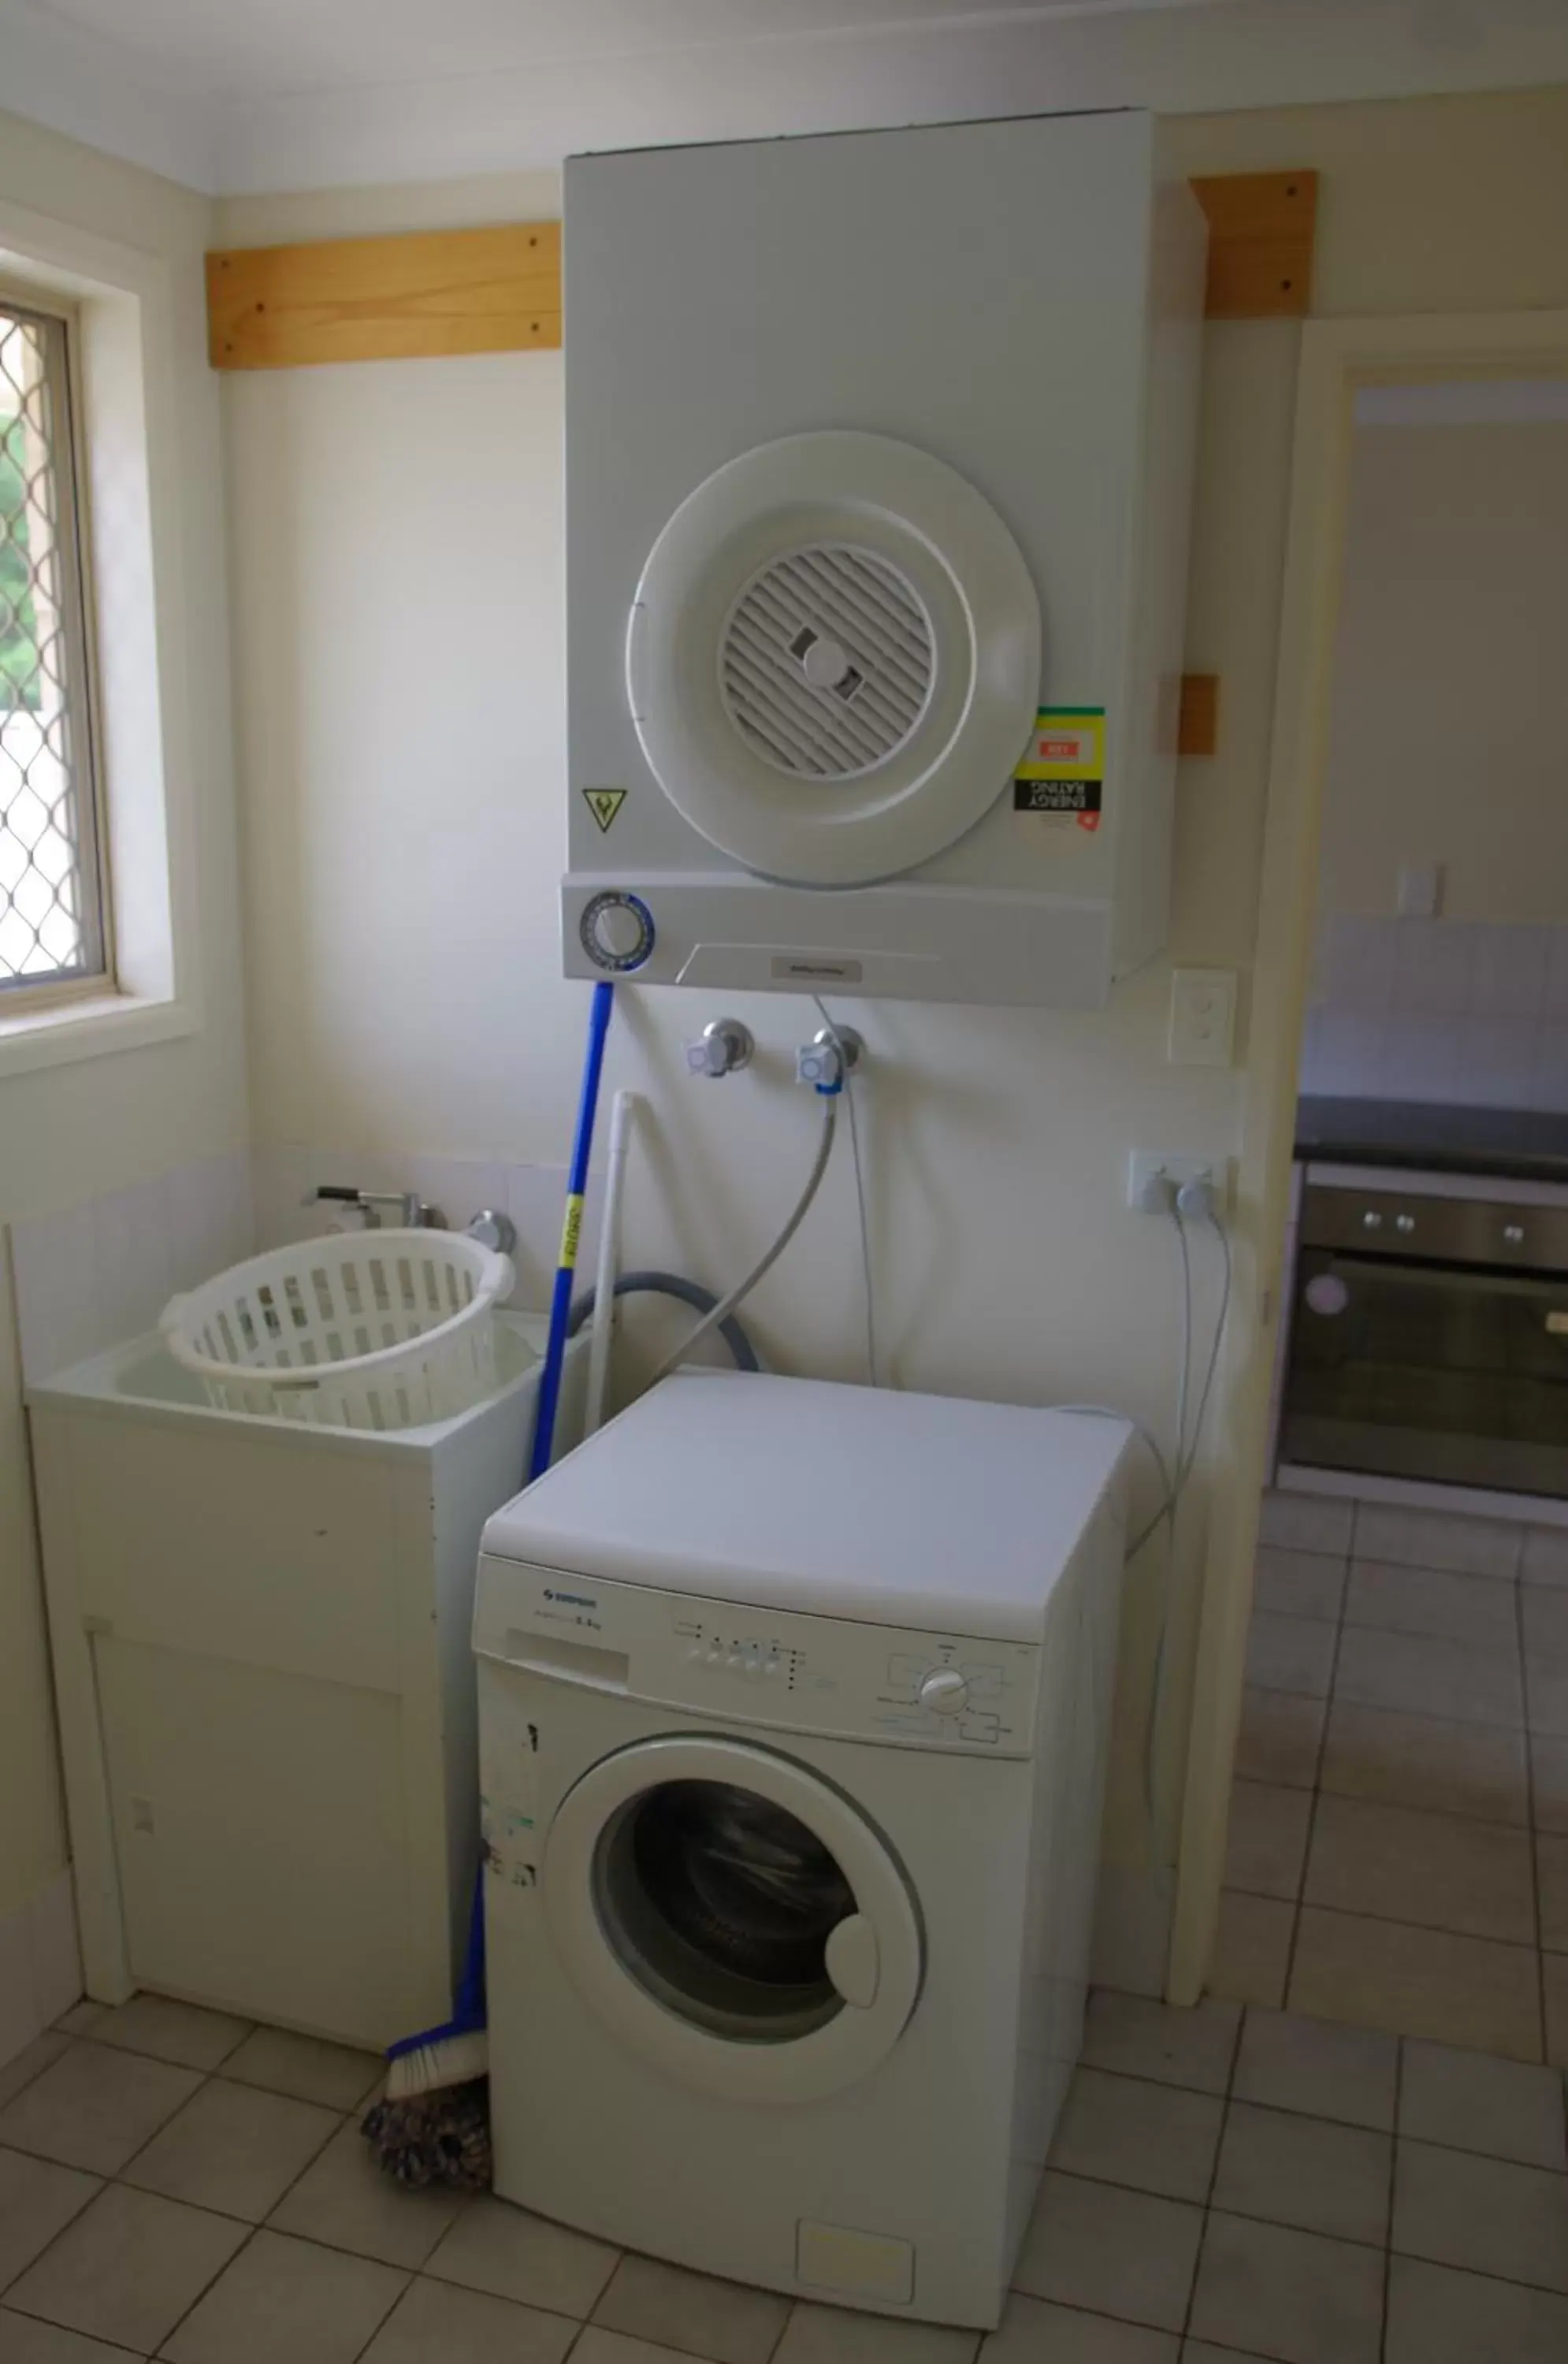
(361, 1330)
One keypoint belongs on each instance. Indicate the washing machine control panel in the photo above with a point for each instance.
(798, 1673)
(822, 1673)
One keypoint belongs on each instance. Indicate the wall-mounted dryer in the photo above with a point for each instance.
(879, 460)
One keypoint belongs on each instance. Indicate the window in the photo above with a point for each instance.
(53, 899)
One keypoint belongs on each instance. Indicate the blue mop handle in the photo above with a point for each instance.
(566, 1270)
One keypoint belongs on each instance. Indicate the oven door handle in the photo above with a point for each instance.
(1429, 1278)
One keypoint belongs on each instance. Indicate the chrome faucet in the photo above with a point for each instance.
(414, 1214)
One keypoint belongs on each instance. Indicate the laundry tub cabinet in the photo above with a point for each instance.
(261, 1642)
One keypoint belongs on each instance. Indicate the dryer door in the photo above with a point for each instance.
(733, 1918)
(833, 659)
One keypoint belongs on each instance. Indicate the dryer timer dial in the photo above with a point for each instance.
(616, 930)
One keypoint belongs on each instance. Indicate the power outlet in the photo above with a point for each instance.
(1144, 1164)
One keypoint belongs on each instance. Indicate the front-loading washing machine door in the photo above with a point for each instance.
(733, 1918)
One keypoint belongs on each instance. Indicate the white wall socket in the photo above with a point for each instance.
(1144, 1165)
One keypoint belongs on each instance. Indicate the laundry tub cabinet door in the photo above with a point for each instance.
(260, 1837)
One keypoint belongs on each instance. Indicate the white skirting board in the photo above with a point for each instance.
(40, 1964)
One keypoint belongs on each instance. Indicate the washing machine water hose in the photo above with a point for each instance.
(743, 1288)
(685, 1292)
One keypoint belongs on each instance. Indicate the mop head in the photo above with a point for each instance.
(435, 2138)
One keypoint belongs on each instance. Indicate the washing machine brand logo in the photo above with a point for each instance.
(571, 1600)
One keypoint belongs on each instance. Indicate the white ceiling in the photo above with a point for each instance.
(256, 95)
(258, 49)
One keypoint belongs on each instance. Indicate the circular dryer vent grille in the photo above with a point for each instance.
(828, 660)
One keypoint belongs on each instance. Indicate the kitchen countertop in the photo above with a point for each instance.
(1526, 1144)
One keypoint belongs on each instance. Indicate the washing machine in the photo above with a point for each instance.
(794, 1702)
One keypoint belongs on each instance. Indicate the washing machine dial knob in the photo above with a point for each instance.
(945, 1691)
(616, 930)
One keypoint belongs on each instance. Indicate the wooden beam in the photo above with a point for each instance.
(382, 299)
(1260, 232)
(1198, 724)
(498, 290)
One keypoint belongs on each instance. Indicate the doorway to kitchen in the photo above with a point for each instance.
(1396, 1847)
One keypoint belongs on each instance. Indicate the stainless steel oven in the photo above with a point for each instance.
(1429, 1331)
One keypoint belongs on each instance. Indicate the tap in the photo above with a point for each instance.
(414, 1214)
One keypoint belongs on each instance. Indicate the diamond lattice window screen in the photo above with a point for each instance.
(51, 902)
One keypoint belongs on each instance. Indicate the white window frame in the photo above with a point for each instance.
(129, 482)
(67, 461)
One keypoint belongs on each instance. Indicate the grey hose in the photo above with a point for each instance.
(726, 1305)
(686, 1292)
(851, 1090)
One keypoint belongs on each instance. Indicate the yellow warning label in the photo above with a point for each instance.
(571, 1231)
(1068, 742)
(604, 804)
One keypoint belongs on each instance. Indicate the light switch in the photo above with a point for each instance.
(1421, 889)
(1203, 1017)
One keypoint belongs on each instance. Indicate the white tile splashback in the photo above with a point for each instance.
(88, 1276)
(1458, 1010)
(1433, 964)
(534, 1196)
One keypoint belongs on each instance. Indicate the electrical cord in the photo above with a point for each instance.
(1165, 1514)
(851, 1094)
(727, 1304)
(1186, 1454)
(1183, 1385)
(1145, 1437)
(1186, 1461)
(1220, 1318)
(1173, 1488)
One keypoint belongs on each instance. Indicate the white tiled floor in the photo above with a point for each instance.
(1398, 1851)
(1226, 2185)
(1361, 2180)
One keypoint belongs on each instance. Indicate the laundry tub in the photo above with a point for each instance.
(261, 1642)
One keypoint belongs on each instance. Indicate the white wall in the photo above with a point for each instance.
(1447, 739)
(1448, 748)
(71, 1132)
(397, 571)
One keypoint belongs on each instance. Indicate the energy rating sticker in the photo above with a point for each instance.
(1061, 773)
(604, 804)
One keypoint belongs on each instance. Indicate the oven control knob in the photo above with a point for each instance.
(1404, 1223)
(945, 1691)
(1515, 1234)
(1372, 1220)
